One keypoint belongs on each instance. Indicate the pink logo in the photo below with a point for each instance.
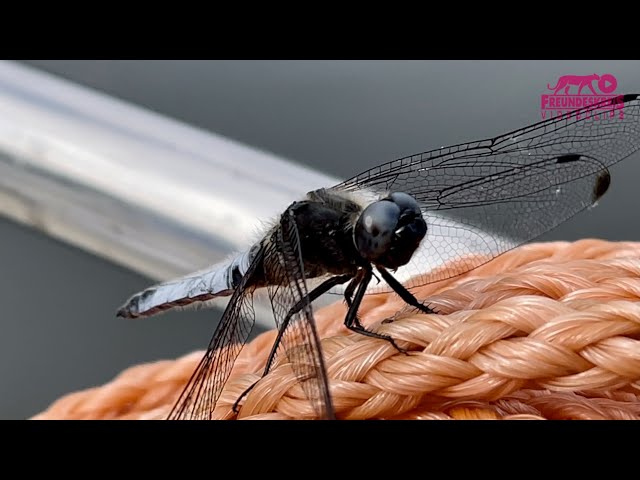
(571, 92)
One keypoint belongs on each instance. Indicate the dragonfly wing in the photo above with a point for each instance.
(287, 290)
(484, 198)
(199, 397)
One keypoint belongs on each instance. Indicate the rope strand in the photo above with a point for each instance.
(546, 331)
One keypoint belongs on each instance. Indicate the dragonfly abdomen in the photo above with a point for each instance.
(133, 308)
(219, 280)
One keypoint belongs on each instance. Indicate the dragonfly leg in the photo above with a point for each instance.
(348, 292)
(348, 295)
(352, 322)
(313, 295)
(405, 294)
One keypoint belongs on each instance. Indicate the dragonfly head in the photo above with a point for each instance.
(389, 230)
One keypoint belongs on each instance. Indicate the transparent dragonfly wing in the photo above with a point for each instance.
(483, 198)
(281, 261)
(199, 397)
(288, 292)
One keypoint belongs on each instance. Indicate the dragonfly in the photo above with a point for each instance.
(409, 222)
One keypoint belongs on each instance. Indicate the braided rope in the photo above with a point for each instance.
(549, 330)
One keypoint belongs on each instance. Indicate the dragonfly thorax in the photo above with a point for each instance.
(389, 230)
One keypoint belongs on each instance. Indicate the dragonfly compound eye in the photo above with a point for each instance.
(389, 230)
(406, 202)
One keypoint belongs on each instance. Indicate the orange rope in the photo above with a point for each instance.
(549, 330)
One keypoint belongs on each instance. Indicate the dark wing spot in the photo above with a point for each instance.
(602, 185)
(628, 97)
(570, 157)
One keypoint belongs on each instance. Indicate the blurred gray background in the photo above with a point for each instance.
(59, 332)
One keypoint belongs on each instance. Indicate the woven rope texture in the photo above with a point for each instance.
(546, 331)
